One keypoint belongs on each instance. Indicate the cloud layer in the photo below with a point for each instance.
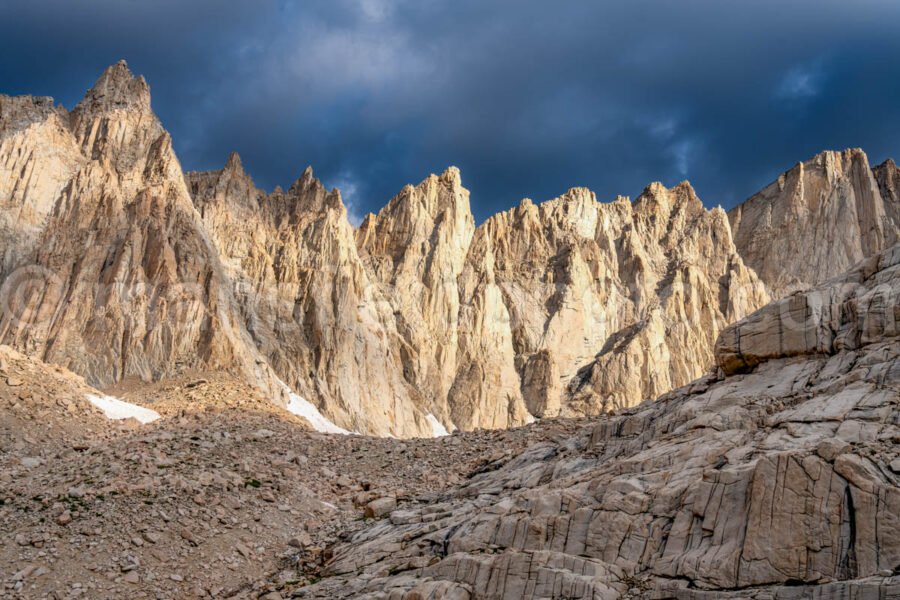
(527, 97)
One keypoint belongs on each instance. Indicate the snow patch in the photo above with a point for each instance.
(437, 429)
(114, 408)
(304, 408)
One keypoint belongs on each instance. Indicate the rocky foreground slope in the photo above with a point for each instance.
(224, 496)
(777, 477)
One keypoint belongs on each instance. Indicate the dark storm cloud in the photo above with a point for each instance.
(528, 98)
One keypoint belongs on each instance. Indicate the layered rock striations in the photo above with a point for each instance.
(818, 220)
(776, 477)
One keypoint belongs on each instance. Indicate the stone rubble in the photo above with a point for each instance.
(226, 496)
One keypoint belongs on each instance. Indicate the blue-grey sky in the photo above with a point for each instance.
(527, 97)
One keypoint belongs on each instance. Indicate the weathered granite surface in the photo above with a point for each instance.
(818, 219)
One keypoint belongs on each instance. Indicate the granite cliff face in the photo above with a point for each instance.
(609, 303)
(116, 264)
(39, 156)
(571, 307)
(414, 250)
(887, 174)
(777, 477)
(308, 301)
(108, 269)
(818, 220)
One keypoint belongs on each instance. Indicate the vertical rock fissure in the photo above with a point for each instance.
(847, 567)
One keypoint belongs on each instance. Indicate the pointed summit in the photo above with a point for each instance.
(117, 88)
(434, 194)
(234, 164)
(658, 198)
(888, 167)
(816, 221)
(887, 174)
(234, 160)
(451, 176)
(115, 118)
(306, 180)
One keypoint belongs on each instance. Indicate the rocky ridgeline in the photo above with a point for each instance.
(767, 468)
(114, 276)
(117, 265)
(572, 307)
(777, 478)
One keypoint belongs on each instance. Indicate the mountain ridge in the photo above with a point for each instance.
(569, 307)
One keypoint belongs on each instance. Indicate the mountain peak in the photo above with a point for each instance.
(837, 161)
(452, 176)
(117, 88)
(657, 199)
(656, 191)
(306, 180)
(234, 163)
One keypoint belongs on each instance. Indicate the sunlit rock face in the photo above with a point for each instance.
(308, 301)
(116, 264)
(818, 220)
(38, 156)
(570, 307)
(108, 268)
(605, 304)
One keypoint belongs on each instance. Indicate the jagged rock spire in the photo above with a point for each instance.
(234, 162)
(569, 307)
(117, 88)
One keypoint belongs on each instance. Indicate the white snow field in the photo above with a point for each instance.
(114, 408)
(304, 408)
(437, 429)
